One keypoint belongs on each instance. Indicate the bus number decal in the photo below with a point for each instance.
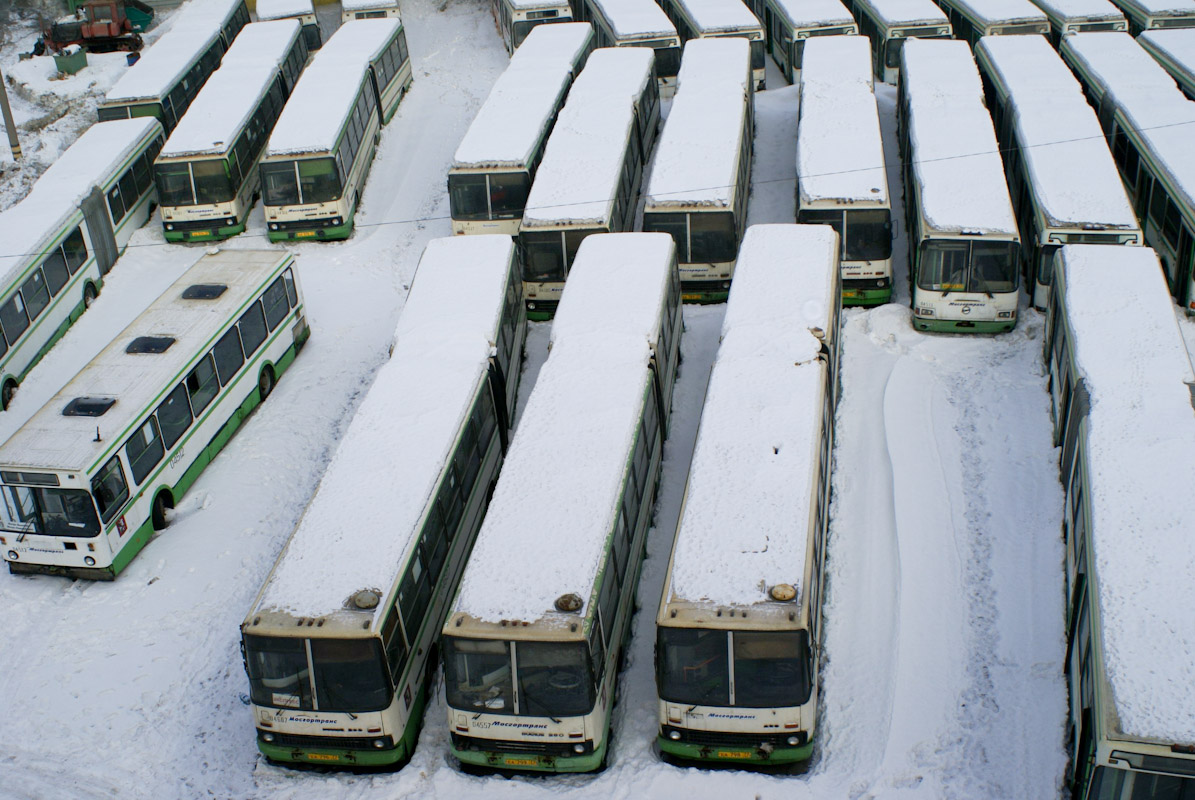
(176, 458)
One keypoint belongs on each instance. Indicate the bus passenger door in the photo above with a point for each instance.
(99, 227)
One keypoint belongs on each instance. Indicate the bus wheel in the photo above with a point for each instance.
(89, 295)
(161, 503)
(10, 388)
(265, 382)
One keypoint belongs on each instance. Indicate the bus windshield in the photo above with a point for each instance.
(211, 181)
(174, 184)
(288, 183)
(554, 678)
(543, 256)
(48, 512)
(771, 668)
(467, 197)
(961, 265)
(867, 235)
(1130, 784)
(338, 675)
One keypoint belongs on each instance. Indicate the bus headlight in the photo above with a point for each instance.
(230, 222)
(794, 740)
(12, 555)
(169, 226)
(578, 748)
(273, 226)
(674, 735)
(1004, 314)
(336, 221)
(89, 561)
(379, 743)
(266, 736)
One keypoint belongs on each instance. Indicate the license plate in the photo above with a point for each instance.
(304, 234)
(198, 234)
(522, 762)
(850, 292)
(322, 757)
(690, 297)
(733, 754)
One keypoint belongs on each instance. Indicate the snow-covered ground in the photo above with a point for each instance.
(944, 639)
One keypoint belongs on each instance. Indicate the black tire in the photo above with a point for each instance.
(158, 515)
(265, 383)
(10, 388)
(89, 295)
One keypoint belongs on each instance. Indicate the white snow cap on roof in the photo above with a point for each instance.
(1004, 10)
(218, 114)
(267, 42)
(389, 461)
(1140, 437)
(1167, 8)
(713, 15)
(574, 440)
(815, 12)
(564, 41)
(837, 60)
(520, 107)
(939, 71)
(898, 12)
(747, 509)
(1029, 65)
(1081, 9)
(281, 9)
(1117, 63)
(637, 18)
(840, 155)
(367, 5)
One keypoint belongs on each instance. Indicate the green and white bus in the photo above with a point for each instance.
(888, 23)
(738, 645)
(974, 19)
(841, 179)
(497, 159)
(59, 242)
(964, 245)
(1126, 470)
(170, 74)
(314, 168)
(1064, 184)
(368, 9)
(788, 24)
(90, 477)
(340, 645)
(207, 174)
(1147, 15)
(1175, 51)
(701, 175)
(588, 181)
(301, 10)
(533, 642)
(717, 19)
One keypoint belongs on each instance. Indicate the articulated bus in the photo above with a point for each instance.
(169, 74)
(1111, 66)
(1126, 471)
(963, 241)
(340, 645)
(368, 9)
(841, 180)
(888, 23)
(207, 174)
(1175, 51)
(314, 168)
(135, 428)
(1064, 184)
(1081, 16)
(715, 19)
(493, 167)
(974, 19)
(788, 24)
(59, 242)
(517, 18)
(737, 647)
(533, 642)
(588, 181)
(1146, 15)
(301, 10)
(635, 23)
(701, 176)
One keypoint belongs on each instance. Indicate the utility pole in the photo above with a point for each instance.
(9, 124)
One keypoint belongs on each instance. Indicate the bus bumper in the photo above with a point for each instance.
(523, 761)
(541, 310)
(715, 291)
(334, 756)
(199, 234)
(731, 754)
(865, 292)
(963, 326)
(315, 231)
(86, 573)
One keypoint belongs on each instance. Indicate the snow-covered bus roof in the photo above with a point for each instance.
(563, 41)
(324, 95)
(229, 98)
(1165, 122)
(636, 19)
(1028, 66)
(1161, 8)
(387, 465)
(161, 66)
(519, 109)
(1140, 436)
(52, 440)
(367, 5)
(939, 71)
(758, 440)
(903, 13)
(1080, 10)
(263, 41)
(1116, 63)
(838, 60)
(719, 16)
(96, 156)
(282, 9)
(579, 172)
(840, 155)
(814, 13)
(1177, 47)
(996, 12)
(697, 158)
(546, 529)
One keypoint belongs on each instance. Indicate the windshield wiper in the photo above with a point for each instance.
(543, 706)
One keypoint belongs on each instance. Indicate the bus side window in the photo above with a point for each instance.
(396, 649)
(229, 356)
(75, 249)
(174, 415)
(292, 294)
(144, 450)
(110, 489)
(35, 294)
(13, 319)
(253, 328)
(202, 384)
(275, 303)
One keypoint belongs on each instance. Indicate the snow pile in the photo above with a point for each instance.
(546, 529)
(1140, 437)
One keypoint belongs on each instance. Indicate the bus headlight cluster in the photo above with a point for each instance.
(1004, 314)
(12, 554)
(89, 561)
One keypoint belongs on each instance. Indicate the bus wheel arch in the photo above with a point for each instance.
(162, 501)
(90, 293)
(266, 381)
(6, 392)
